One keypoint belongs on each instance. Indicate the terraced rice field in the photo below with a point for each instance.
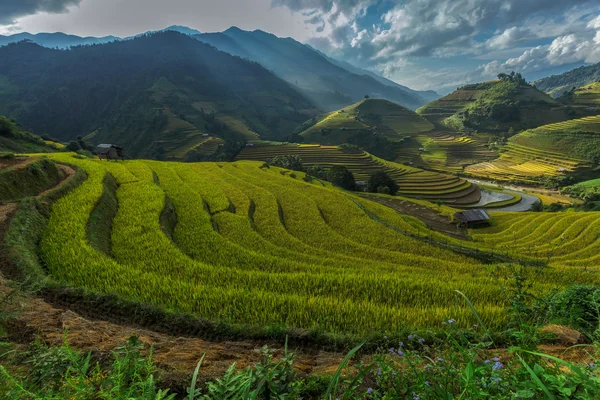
(550, 150)
(444, 151)
(565, 239)
(262, 247)
(389, 119)
(587, 124)
(413, 182)
(180, 137)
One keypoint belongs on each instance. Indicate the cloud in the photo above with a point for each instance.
(10, 10)
(510, 38)
(438, 27)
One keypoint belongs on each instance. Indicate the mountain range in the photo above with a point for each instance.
(159, 94)
(556, 85)
(330, 84)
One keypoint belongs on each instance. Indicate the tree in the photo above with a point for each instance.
(293, 162)
(73, 146)
(317, 171)
(381, 180)
(367, 97)
(342, 177)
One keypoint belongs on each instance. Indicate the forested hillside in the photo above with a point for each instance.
(327, 85)
(155, 94)
(495, 106)
(558, 84)
(13, 139)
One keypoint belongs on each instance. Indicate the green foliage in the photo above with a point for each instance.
(513, 77)
(269, 379)
(350, 148)
(576, 306)
(65, 373)
(342, 177)
(381, 180)
(14, 139)
(293, 162)
(317, 171)
(30, 180)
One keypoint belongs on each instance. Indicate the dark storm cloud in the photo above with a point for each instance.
(13, 9)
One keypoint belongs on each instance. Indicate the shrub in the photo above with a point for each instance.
(293, 162)
(350, 148)
(73, 146)
(342, 177)
(577, 306)
(382, 180)
(317, 172)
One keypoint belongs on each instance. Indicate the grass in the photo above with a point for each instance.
(29, 180)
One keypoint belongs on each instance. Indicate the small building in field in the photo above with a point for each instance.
(109, 152)
(562, 170)
(471, 218)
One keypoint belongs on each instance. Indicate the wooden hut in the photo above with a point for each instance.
(471, 218)
(109, 152)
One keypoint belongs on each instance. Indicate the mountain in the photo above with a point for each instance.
(375, 125)
(427, 95)
(556, 85)
(496, 106)
(183, 29)
(54, 40)
(159, 95)
(14, 139)
(62, 40)
(327, 85)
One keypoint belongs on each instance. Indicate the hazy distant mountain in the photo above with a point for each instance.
(328, 85)
(53, 40)
(556, 85)
(158, 95)
(428, 95)
(183, 29)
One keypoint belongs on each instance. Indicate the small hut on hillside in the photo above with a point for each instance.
(471, 218)
(110, 152)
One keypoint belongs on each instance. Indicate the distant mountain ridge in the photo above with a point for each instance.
(556, 85)
(428, 95)
(327, 83)
(330, 84)
(53, 40)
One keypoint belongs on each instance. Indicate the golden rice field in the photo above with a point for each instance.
(260, 246)
(550, 150)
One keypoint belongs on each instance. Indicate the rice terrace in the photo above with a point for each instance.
(238, 215)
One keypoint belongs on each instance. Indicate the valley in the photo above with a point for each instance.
(238, 197)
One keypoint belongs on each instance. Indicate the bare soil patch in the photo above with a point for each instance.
(431, 218)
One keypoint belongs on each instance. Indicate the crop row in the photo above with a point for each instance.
(255, 246)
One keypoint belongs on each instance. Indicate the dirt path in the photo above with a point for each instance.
(431, 218)
(17, 162)
(176, 355)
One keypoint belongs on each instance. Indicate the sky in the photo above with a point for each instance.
(424, 44)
